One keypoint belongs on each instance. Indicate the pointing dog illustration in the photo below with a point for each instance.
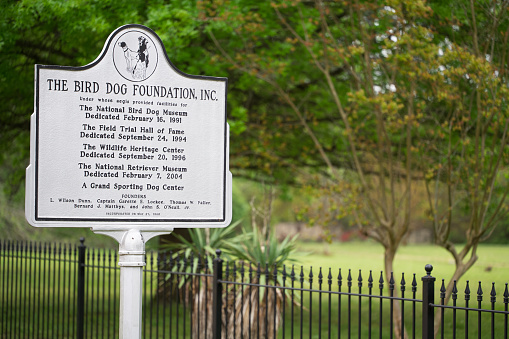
(136, 62)
(129, 55)
(140, 69)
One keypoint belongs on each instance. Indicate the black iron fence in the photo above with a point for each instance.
(67, 291)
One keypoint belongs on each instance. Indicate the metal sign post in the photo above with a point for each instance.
(133, 148)
(131, 261)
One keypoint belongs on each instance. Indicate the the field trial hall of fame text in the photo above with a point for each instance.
(128, 138)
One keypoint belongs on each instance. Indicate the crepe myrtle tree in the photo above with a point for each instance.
(469, 149)
(369, 90)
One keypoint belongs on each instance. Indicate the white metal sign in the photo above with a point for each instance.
(128, 139)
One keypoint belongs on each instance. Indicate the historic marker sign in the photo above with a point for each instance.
(128, 139)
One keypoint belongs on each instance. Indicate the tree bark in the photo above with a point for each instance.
(389, 256)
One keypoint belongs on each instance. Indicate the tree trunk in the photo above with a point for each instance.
(459, 271)
(388, 266)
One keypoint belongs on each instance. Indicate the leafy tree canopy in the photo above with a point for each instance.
(73, 33)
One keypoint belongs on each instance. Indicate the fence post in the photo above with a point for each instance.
(80, 312)
(217, 291)
(428, 297)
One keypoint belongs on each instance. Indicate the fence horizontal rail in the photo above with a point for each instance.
(472, 309)
(375, 296)
(180, 273)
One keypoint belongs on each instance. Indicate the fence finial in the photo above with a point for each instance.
(428, 269)
(218, 253)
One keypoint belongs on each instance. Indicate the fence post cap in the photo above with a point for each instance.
(218, 253)
(428, 269)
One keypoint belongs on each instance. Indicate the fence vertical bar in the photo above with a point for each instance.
(250, 299)
(15, 290)
(193, 278)
(73, 276)
(414, 291)
(59, 265)
(442, 310)
(403, 288)
(479, 313)
(391, 305)
(7, 322)
(39, 294)
(148, 285)
(310, 301)
(454, 298)
(97, 290)
(23, 288)
(370, 299)
(493, 299)
(467, 299)
(380, 313)
(340, 282)
(506, 308)
(45, 297)
(54, 292)
(178, 261)
(329, 280)
(163, 267)
(359, 284)
(81, 289)
(292, 278)
(428, 298)
(74, 295)
(217, 295)
(258, 275)
(267, 290)
(64, 292)
(103, 295)
(23, 257)
(301, 276)
(205, 282)
(91, 298)
(2, 256)
(274, 277)
(227, 273)
(4, 274)
(242, 272)
(12, 290)
(320, 279)
(115, 292)
(109, 292)
(349, 284)
(171, 265)
(31, 274)
(234, 276)
(5, 290)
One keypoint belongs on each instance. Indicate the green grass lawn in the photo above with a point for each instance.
(492, 265)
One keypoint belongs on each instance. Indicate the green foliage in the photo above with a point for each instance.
(248, 245)
(240, 206)
(204, 242)
(382, 90)
(255, 248)
(61, 32)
